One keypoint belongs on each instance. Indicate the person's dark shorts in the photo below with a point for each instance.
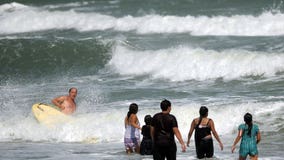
(160, 153)
(205, 149)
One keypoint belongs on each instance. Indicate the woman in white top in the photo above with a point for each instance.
(132, 130)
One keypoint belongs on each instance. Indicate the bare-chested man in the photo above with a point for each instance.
(66, 103)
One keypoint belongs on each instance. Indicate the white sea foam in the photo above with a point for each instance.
(108, 126)
(18, 18)
(104, 122)
(10, 7)
(183, 63)
(74, 4)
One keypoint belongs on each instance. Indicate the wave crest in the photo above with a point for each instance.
(17, 18)
(183, 63)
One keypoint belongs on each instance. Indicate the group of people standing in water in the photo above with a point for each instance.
(159, 131)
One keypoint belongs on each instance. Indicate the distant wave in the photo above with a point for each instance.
(33, 57)
(183, 63)
(18, 18)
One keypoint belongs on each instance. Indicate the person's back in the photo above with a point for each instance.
(163, 128)
(203, 127)
(203, 139)
(254, 132)
(132, 127)
(249, 142)
(146, 143)
(164, 135)
(146, 132)
(146, 147)
(250, 136)
(202, 130)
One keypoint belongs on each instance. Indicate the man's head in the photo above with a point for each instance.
(165, 104)
(73, 92)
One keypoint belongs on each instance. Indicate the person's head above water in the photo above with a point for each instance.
(248, 118)
(147, 119)
(203, 111)
(133, 109)
(72, 92)
(165, 104)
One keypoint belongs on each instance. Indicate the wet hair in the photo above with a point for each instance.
(165, 104)
(203, 111)
(248, 120)
(147, 119)
(71, 89)
(133, 109)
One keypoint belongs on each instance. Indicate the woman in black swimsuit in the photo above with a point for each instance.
(203, 127)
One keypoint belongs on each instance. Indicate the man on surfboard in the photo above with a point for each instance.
(66, 103)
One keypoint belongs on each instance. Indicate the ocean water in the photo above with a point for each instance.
(227, 55)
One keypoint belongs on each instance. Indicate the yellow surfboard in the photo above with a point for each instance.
(48, 115)
(91, 140)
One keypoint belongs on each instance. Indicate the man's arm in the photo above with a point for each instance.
(152, 131)
(178, 135)
(58, 101)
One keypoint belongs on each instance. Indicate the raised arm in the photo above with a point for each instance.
(211, 123)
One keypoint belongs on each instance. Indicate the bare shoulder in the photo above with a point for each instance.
(210, 122)
(62, 97)
(133, 116)
(59, 98)
(196, 120)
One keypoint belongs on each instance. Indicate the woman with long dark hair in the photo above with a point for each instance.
(132, 130)
(203, 127)
(250, 135)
